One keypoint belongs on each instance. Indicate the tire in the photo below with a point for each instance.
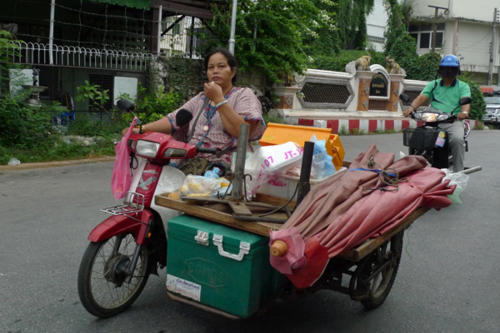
(101, 285)
(381, 284)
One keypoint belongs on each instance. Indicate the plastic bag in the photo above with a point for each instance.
(459, 179)
(322, 165)
(271, 160)
(121, 180)
(14, 161)
(201, 186)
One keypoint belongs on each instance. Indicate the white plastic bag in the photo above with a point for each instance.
(200, 186)
(271, 160)
(14, 161)
(459, 179)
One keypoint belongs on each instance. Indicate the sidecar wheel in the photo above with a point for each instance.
(101, 279)
(381, 285)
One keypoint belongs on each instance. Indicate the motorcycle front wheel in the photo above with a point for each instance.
(101, 277)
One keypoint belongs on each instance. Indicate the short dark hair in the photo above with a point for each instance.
(231, 60)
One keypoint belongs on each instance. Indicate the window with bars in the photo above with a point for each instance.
(423, 35)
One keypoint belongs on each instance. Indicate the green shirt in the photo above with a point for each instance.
(446, 98)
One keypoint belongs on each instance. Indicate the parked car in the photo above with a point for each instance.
(492, 114)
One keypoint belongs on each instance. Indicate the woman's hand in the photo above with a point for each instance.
(134, 131)
(213, 92)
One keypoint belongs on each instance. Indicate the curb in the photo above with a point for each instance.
(43, 165)
(368, 125)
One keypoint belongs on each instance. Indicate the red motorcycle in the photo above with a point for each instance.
(131, 244)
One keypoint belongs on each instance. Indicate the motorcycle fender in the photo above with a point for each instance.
(118, 224)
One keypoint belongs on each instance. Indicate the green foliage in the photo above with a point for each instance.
(478, 106)
(339, 61)
(97, 97)
(402, 47)
(153, 106)
(270, 34)
(21, 125)
(268, 118)
(351, 23)
(7, 50)
(86, 124)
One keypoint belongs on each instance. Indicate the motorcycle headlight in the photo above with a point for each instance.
(443, 117)
(147, 148)
(172, 152)
(429, 117)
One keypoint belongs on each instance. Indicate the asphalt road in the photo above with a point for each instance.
(448, 280)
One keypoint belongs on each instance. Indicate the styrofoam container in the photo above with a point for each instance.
(284, 186)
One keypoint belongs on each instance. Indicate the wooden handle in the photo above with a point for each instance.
(279, 248)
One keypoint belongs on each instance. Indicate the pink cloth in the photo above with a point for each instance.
(295, 255)
(242, 100)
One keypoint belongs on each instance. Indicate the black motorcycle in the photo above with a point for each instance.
(429, 140)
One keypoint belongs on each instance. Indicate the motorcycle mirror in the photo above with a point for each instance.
(404, 98)
(125, 105)
(465, 100)
(183, 117)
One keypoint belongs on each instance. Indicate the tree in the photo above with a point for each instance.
(270, 34)
(351, 23)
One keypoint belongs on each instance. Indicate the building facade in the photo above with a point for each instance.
(464, 28)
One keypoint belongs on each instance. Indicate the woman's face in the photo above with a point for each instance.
(219, 70)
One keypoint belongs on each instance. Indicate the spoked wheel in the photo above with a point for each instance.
(103, 271)
(373, 279)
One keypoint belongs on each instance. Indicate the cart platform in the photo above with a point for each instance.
(221, 213)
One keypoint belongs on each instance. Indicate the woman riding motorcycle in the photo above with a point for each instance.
(445, 95)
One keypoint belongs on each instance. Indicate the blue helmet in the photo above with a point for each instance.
(450, 61)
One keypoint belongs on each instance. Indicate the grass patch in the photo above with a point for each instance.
(479, 126)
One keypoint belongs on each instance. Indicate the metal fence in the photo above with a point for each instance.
(75, 56)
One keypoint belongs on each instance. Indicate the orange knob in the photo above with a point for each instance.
(279, 248)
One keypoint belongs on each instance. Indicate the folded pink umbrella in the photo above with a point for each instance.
(365, 212)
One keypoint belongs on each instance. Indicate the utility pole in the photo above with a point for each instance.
(434, 35)
(492, 47)
(233, 27)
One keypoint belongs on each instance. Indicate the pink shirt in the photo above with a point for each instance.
(242, 100)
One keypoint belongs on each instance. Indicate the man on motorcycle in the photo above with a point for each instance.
(445, 95)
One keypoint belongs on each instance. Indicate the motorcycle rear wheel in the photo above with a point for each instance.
(101, 285)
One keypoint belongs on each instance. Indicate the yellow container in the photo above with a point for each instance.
(277, 134)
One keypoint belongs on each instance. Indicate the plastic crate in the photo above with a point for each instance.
(420, 138)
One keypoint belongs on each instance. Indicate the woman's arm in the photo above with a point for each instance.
(231, 120)
(163, 126)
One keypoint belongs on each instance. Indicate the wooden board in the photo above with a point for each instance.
(223, 217)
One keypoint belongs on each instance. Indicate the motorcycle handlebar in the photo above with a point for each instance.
(206, 150)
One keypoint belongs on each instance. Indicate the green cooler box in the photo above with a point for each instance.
(218, 266)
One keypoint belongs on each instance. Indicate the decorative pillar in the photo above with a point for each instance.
(364, 79)
(396, 79)
(286, 96)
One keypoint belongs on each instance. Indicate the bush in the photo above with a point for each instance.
(153, 106)
(478, 106)
(23, 126)
(338, 62)
(85, 124)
